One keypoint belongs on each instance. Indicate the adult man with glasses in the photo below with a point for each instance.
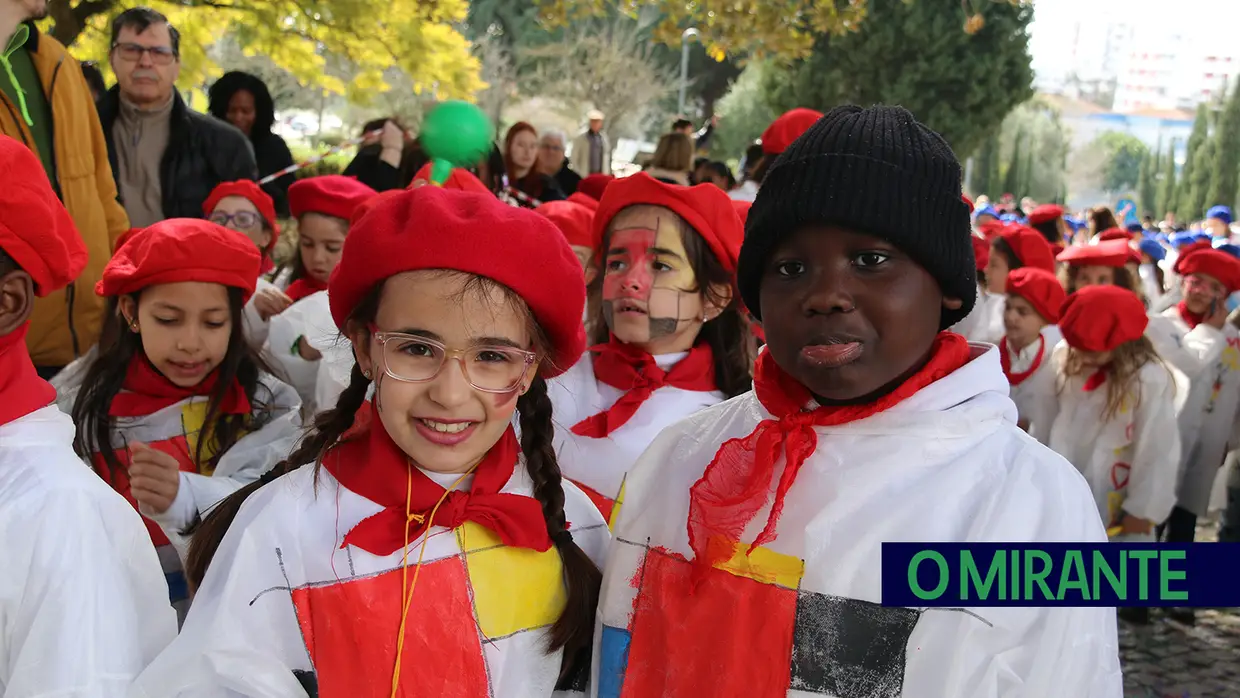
(553, 163)
(46, 104)
(166, 158)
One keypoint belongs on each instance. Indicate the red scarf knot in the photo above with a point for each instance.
(1015, 379)
(1189, 317)
(305, 286)
(146, 391)
(1095, 380)
(734, 487)
(370, 464)
(633, 370)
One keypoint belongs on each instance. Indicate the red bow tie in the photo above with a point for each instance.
(370, 464)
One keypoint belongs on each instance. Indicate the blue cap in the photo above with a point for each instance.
(1153, 249)
(986, 210)
(1135, 228)
(1222, 213)
(1009, 218)
(1181, 239)
(1074, 223)
(1204, 236)
(1233, 250)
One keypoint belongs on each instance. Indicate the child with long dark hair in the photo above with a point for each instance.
(414, 544)
(175, 410)
(668, 334)
(747, 551)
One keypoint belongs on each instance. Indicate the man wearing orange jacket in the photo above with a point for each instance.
(45, 103)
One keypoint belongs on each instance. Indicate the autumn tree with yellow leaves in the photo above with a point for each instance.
(418, 37)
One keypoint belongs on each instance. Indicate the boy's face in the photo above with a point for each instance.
(846, 314)
(16, 296)
(1021, 323)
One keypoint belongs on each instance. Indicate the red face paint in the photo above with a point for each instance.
(630, 265)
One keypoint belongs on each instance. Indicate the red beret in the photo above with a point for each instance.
(1114, 234)
(968, 202)
(1112, 253)
(594, 185)
(574, 220)
(787, 128)
(991, 229)
(1041, 288)
(1045, 213)
(1134, 255)
(1100, 318)
(583, 200)
(35, 229)
(370, 203)
(250, 191)
(439, 228)
(459, 179)
(330, 195)
(705, 207)
(182, 249)
(742, 210)
(1186, 250)
(981, 251)
(1215, 263)
(125, 237)
(1030, 247)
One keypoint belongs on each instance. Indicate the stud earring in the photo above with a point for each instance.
(366, 373)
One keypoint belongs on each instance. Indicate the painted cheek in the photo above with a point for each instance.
(635, 281)
(502, 401)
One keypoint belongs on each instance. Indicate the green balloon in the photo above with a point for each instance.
(455, 134)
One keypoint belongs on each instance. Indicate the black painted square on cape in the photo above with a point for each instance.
(309, 681)
(847, 648)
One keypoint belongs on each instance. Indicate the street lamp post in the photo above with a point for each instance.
(684, 65)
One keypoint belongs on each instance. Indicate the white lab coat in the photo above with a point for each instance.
(310, 318)
(256, 327)
(1210, 418)
(1131, 460)
(987, 326)
(1035, 395)
(83, 603)
(601, 464)
(946, 464)
(282, 595)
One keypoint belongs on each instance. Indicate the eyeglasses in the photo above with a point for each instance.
(414, 359)
(240, 219)
(132, 53)
(551, 147)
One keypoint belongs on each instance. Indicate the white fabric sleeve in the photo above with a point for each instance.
(1156, 450)
(95, 609)
(1191, 353)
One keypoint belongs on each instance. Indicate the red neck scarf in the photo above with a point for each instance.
(1189, 317)
(370, 464)
(1015, 379)
(147, 391)
(303, 287)
(631, 369)
(1095, 380)
(21, 388)
(734, 486)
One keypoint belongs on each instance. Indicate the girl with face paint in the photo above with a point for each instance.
(175, 410)
(669, 337)
(301, 332)
(244, 207)
(867, 423)
(420, 541)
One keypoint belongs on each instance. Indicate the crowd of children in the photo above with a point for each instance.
(645, 441)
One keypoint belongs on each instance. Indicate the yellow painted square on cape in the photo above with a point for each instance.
(515, 589)
(615, 509)
(763, 565)
(193, 416)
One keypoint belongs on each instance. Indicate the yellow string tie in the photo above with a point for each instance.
(407, 597)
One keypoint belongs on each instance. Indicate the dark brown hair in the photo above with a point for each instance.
(1049, 230)
(106, 376)
(1001, 247)
(1122, 278)
(1101, 219)
(573, 631)
(728, 335)
(296, 265)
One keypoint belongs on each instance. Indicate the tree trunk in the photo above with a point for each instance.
(70, 20)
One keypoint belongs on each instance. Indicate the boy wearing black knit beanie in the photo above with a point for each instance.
(748, 538)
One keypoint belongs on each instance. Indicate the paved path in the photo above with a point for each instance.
(1166, 659)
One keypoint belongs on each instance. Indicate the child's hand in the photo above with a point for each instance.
(271, 301)
(1217, 315)
(1132, 524)
(154, 477)
(306, 351)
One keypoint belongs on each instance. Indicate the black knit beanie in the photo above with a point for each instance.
(877, 171)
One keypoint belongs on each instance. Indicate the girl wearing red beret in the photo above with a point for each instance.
(1093, 265)
(1116, 411)
(746, 558)
(1016, 247)
(244, 207)
(84, 605)
(1195, 338)
(669, 338)
(301, 330)
(1030, 335)
(420, 541)
(173, 408)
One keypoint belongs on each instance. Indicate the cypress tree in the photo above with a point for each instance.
(1146, 193)
(1225, 174)
(1167, 189)
(1196, 140)
(1011, 178)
